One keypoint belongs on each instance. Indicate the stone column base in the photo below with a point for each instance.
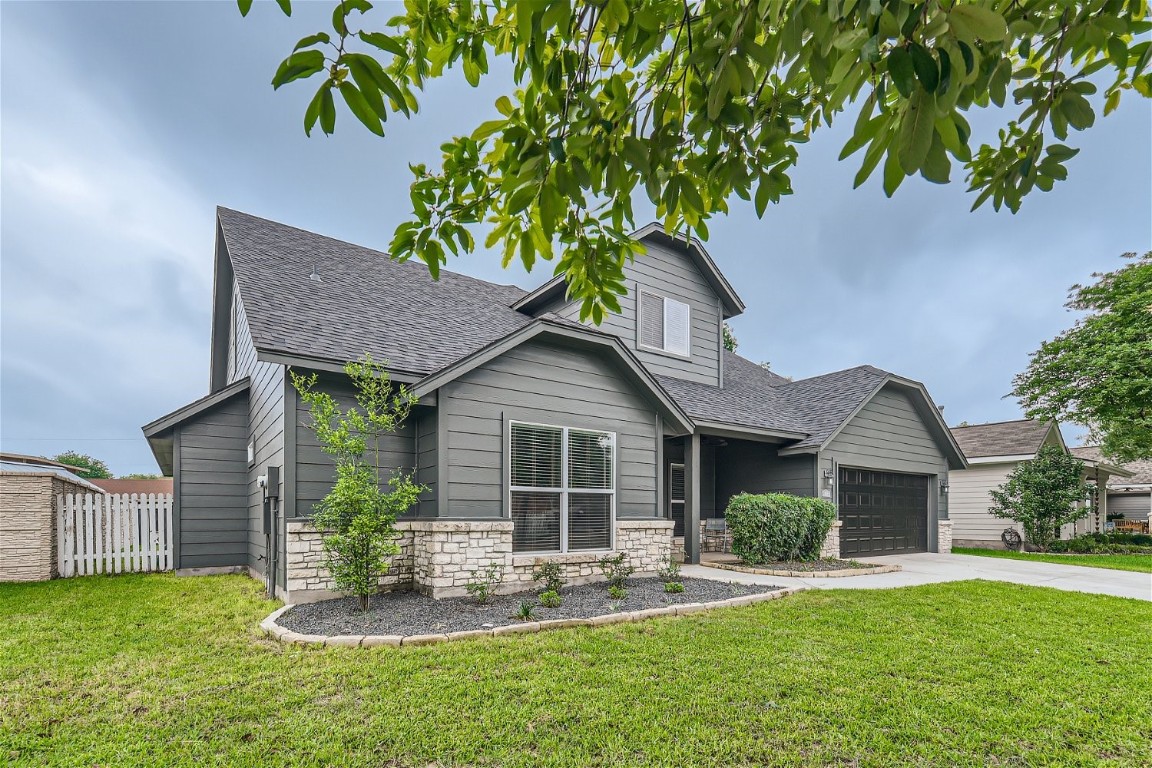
(831, 547)
(944, 537)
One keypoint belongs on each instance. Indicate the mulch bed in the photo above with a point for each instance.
(815, 566)
(410, 613)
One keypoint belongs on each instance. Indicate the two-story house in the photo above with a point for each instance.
(538, 437)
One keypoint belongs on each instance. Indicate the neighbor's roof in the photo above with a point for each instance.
(365, 301)
(50, 469)
(1005, 438)
(1140, 469)
(135, 485)
(40, 461)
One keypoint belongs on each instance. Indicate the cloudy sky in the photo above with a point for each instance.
(124, 124)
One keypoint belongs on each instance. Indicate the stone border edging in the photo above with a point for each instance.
(279, 633)
(837, 574)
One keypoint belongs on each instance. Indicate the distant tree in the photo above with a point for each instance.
(730, 342)
(140, 476)
(1099, 372)
(1041, 495)
(691, 105)
(90, 467)
(963, 424)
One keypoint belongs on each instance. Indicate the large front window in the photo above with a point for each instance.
(562, 488)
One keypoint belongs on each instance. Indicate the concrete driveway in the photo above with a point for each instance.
(929, 568)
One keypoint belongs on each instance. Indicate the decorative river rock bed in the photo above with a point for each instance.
(409, 618)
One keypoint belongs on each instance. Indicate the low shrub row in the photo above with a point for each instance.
(771, 527)
(1105, 544)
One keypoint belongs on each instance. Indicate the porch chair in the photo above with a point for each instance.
(716, 535)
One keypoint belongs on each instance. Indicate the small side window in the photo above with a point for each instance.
(251, 453)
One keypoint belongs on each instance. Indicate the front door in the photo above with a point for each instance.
(676, 497)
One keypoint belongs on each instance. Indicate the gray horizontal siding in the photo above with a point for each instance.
(672, 274)
(316, 470)
(265, 430)
(1135, 506)
(212, 487)
(547, 384)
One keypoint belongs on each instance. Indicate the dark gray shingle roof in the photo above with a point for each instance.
(755, 397)
(1141, 469)
(365, 302)
(1005, 438)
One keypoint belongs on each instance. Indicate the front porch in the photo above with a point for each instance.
(699, 473)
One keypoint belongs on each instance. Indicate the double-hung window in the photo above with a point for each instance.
(562, 488)
(664, 324)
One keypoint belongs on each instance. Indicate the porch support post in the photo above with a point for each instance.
(692, 498)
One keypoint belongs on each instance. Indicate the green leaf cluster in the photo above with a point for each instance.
(357, 517)
(693, 104)
(1099, 372)
(1042, 495)
(770, 527)
(89, 466)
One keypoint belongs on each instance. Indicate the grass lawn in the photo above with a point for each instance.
(1141, 563)
(155, 670)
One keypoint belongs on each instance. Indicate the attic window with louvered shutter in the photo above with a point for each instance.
(562, 488)
(664, 324)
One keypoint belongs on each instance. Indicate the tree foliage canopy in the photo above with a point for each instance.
(1041, 495)
(693, 102)
(91, 467)
(1099, 372)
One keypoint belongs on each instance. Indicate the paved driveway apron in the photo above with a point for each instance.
(930, 568)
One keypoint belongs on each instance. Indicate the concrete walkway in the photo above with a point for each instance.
(928, 568)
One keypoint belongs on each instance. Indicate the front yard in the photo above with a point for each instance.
(1141, 563)
(155, 670)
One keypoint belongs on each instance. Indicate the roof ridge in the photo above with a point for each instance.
(997, 423)
(405, 262)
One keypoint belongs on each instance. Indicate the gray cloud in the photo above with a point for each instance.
(125, 124)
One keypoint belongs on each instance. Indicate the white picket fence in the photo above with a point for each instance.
(114, 533)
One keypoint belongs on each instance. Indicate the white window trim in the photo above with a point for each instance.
(564, 490)
(662, 350)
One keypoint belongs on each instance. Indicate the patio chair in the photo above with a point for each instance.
(716, 535)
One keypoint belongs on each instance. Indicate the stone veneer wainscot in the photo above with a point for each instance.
(440, 557)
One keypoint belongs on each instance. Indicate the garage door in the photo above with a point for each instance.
(882, 513)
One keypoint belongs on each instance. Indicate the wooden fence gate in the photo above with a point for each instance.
(114, 533)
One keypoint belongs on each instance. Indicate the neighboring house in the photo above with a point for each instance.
(993, 452)
(158, 485)
(537, 436)
(1129, 496)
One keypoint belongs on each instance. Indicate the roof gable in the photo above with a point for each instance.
(548, 295)
(568, 332)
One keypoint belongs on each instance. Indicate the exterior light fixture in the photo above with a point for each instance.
(943, 487)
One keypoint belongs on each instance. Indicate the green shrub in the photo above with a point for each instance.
(777, 526)
(484, 585)
(673, 587)
(551, 599)
(552, 574)
(526, 611)
(616, 569)
(617, 592)
(669, 570)
(1105, 544)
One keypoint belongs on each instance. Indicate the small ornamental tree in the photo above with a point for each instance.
(1042, 494)
(358, 516)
